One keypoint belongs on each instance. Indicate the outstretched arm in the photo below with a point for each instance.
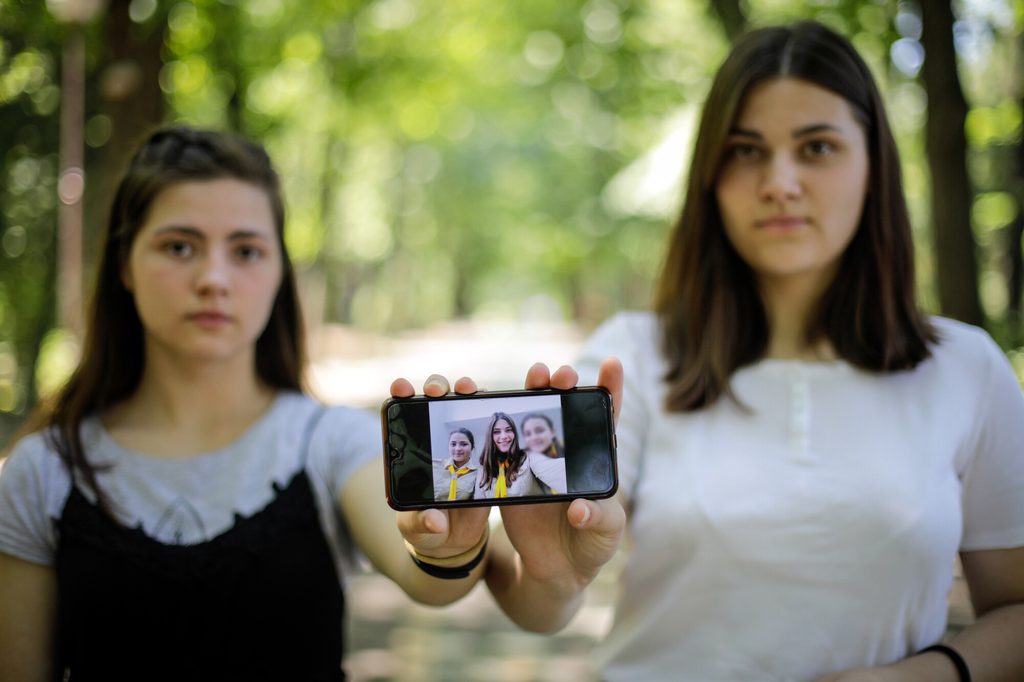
(538, 564)
(442, 538)
(548, 553)
(435, 533)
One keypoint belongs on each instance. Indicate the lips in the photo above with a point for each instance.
(782, 222)
(209, 318)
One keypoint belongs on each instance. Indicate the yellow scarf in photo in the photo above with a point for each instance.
(501, 488)
(456, 475)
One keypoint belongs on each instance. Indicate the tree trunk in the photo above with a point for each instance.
(946, 146)
(1015, 270)
(130, 95)
(1015, 233)
(732, 17)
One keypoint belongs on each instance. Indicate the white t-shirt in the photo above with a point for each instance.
(817, 531)
(193, 499)
(549, 470)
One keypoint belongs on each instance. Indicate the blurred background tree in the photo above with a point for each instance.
(474, 159)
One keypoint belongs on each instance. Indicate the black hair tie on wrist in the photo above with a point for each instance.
(953, 655)
(451, 572)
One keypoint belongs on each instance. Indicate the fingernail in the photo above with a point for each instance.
(586, 517)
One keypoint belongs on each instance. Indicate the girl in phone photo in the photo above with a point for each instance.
(504, 467)
(545, 453)
(455, 476)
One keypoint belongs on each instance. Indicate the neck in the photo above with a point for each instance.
(789, 303)
(216, 397)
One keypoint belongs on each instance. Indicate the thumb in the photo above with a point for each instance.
(424, 529)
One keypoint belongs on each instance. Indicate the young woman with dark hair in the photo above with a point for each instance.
(545, 453)
(504, 469)
(182, 510)
(802, 452)
(455, 476)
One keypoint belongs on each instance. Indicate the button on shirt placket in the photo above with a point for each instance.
(800, 414)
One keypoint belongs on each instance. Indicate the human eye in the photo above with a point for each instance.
(248, 253)
(177, 248)
(744, 151)
(816, 149)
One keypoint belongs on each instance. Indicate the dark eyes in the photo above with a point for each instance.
(752, 153)
(745, 152)
(818, 148)
(178, 249)
(249, 252)
(244, 253)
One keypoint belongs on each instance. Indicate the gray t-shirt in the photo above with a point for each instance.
(193, 499)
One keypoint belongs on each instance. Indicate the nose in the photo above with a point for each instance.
(213, 278)
(781, 181)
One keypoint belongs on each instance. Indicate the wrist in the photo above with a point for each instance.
(452, 567)
(952, 658)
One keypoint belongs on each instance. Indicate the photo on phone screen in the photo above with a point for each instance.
(499, 447)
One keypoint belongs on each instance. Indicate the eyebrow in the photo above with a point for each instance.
(812, 129)
(236, 235)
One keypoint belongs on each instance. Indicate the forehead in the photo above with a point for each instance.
(536, 422)
(791, 103)
(212, 206)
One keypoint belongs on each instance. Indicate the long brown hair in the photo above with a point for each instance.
(112, 359)
(491, 454)
(712, 318)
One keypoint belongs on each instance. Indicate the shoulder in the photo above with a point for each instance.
(634, 325)
(33, 458)
(34, 485)
(965, 346)
(321, 422)
(626, 335)
(339, 438)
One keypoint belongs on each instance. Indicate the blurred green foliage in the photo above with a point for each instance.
(467, 157)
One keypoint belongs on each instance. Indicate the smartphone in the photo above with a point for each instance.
(499, 447)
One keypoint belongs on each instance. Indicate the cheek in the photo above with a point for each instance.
(847, 193)
(262, 288)
(732, 201)
(154, 288)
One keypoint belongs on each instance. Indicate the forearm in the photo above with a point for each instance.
(991, 648)
(438, 582)
(539, 605)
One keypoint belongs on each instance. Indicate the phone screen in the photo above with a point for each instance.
(501, 447)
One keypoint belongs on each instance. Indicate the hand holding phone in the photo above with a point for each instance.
(561, 546)
(504, 447)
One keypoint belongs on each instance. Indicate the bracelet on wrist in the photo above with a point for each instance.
(453, 567)
(954, 656)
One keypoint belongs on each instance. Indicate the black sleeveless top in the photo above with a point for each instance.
(261, 601)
